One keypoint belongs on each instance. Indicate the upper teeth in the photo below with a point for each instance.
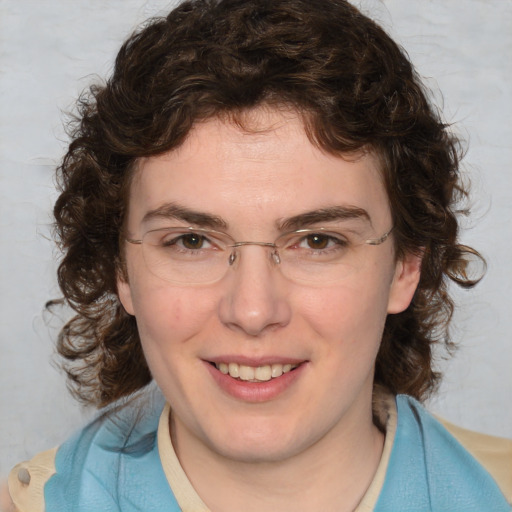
(258, 373)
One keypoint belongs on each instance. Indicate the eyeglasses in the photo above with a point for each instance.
(188, 255)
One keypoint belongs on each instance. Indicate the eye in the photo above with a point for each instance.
(321, 241)
(188, 241)
(316, 241)
(192, 241)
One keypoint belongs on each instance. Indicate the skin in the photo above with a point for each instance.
(309, 444)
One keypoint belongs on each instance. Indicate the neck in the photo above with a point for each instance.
(332, 474)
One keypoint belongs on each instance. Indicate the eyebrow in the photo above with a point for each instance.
(182, 213)
(302, 220)
(328, 214)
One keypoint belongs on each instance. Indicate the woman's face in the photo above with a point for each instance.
(221, 352)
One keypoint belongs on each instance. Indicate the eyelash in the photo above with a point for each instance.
(178, 242)
(333, 242)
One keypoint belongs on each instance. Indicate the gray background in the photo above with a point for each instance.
(49, 51)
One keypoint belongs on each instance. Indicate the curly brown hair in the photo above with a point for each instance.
(354, 89)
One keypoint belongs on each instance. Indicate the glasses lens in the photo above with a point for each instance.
(186, 255)
(320, 256)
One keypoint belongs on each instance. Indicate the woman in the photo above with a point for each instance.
(257, 211)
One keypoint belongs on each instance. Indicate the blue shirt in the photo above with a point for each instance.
(113, 465)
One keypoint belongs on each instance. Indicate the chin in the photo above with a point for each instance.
(258, 453)
(264, 443)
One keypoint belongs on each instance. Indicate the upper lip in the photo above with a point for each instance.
(254, 361)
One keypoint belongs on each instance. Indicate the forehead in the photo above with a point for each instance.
(265, 168)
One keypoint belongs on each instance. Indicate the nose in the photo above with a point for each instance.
(256, 298)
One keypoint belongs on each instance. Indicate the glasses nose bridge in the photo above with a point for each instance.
(271, 245)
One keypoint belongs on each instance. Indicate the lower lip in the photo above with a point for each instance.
(256, 392)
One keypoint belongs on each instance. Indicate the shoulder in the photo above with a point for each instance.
(111, 464)
(27, 480)
(493, 453)
(430, 468)
(61, 472)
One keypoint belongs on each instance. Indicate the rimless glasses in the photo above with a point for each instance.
(190, 255)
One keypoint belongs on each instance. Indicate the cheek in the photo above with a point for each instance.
(170, 316)
(351, 314)
(347, 324)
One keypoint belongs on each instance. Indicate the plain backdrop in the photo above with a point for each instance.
(50, 50)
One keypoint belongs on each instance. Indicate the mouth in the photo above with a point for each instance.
(246, 373)
(256, 380)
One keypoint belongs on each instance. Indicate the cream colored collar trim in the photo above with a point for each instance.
(189, 500)
(185, 494)
(386, 409)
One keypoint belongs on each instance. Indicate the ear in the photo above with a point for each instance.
(124, 293)
(405, 281)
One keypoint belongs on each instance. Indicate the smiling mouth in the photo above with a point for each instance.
(254, 373)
